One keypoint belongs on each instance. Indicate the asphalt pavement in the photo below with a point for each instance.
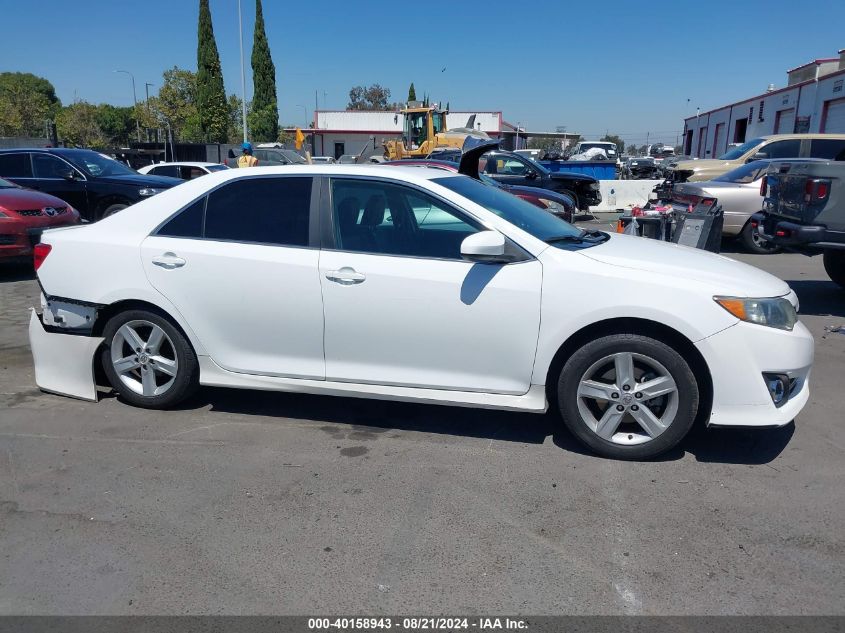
(253, 502)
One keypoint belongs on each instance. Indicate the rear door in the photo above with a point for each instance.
(241, 267)
(403, 308)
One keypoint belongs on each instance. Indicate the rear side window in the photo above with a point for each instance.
(831, 149)
(188, 223)
(165, 170)
(15, 166)
(263, 210)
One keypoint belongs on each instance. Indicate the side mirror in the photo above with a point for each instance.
(758, 156)
(485, 246)
(531, 174)
(70, 174)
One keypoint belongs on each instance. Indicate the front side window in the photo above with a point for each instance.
(15, 166)
(47, 166)
(829, 148)
(259, 210)
(96, 164)
(387, 219)
(738, 152)
(782, 149)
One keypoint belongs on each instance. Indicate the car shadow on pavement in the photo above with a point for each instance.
(729, 446)
(819, 297)
(14, 271)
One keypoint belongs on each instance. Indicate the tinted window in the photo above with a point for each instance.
(189, 173)
(265, 210)
(736, 152)
(383, 218)
(832, 149)
(188, 223)
(47, 166)
(15, 165)
(782, 149)
(165, 170)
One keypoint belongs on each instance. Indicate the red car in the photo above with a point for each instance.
(24, 213)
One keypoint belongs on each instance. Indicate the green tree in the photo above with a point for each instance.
(235, 129)
(77, 124)
(117, 125)
(176, 105)
(412, 93)
(612, 138)
(210, 93)
(264, 115)
(374, 97)
(26, 102)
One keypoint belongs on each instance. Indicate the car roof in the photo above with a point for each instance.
(410, 173)
(802, 136)
(183, 164)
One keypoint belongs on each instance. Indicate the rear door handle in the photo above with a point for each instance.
(345, 276)
(169, 261)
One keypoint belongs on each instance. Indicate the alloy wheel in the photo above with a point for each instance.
(144, 358)
(627, 398)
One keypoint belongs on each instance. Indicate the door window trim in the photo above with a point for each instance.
(32, 156)
(31, 166)
(327, 235)
(313, 213)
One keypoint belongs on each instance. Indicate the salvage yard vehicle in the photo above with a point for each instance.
(738, 193)
(640, 168)
(829, 146)
(804, 210)
(24, 214)
(417, 285)
(512, 169)
(181, 170)
(607, 147)
(92, 183)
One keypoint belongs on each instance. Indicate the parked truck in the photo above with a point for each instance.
(804, 210)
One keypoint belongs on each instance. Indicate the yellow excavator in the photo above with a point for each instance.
(424, 129)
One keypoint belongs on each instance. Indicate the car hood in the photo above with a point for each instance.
(142, 180)
(570, 176)
(16, 199)
(722, 275)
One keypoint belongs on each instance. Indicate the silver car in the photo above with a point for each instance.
(738, 191)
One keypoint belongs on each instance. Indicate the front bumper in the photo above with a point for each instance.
(738, 357)
(64, 363)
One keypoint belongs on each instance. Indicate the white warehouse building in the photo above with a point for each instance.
(812, 102)
(338, 132)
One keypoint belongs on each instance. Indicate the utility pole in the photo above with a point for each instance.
(243, 76)
(135, 102)
(147, 85)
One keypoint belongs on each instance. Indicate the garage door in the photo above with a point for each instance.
(834, 120)
(785, 121)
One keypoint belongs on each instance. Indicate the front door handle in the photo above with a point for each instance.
(346, 276)
(169, 261)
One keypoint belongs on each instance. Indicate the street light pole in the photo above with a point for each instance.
(243, 76)
(135, 102)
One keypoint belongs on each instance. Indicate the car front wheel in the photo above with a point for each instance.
(147, 360)
(628, 396)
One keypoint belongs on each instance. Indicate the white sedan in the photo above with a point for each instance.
(419, 285)
(183, 170)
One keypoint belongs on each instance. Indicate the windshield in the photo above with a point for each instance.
(541, 224)
(489, 181)
(745, 174)
(292, 156)
(216, 167)
(608, 147)
(5, 184)
(96, 164)
(736, 152)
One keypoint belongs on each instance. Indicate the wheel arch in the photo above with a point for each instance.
(646, 327)
(105, 313)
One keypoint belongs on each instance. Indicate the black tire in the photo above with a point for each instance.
(756, 245)
(834, 266)
(686, 397)
(184, 383)
(112, 209)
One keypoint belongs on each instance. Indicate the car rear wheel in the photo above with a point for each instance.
(753, 242)
(628, 396)
(834, 266)
(148, 361)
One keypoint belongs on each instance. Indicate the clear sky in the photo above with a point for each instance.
(627, 67)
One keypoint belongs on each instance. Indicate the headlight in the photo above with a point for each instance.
(553, 206)
(775, 312)
(149, 191)
(595, 186)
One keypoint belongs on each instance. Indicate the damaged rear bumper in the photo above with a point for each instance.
(64, 363)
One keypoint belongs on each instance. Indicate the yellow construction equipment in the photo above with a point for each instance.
(424, 129)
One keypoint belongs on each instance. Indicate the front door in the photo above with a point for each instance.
(240, 269)
(510, 170)
(401, 306)
(51, 175)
